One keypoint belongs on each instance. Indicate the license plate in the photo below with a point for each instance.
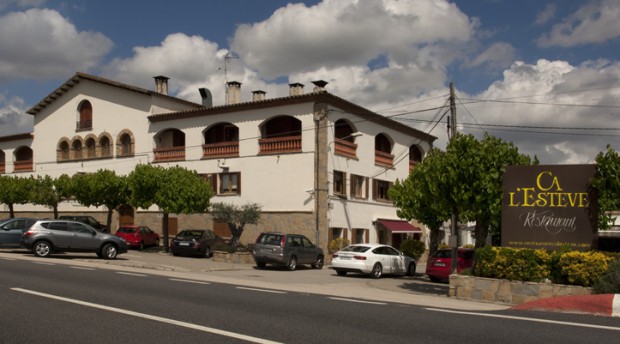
(440, 264)
(183, 244)
(345, 258)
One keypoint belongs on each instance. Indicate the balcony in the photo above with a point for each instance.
(412, 164)
(2, 168)
(169, 154)
(276, 145)
(345, 148)
(220, 150)
(383, 159)
(23, 165)
(83, 125)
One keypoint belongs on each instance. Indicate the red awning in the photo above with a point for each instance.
(399, 226)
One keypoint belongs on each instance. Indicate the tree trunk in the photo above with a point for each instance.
(55, 211)
(236, 231)
(433, 243)
(11, 212)
(165, 232)
(481, 233)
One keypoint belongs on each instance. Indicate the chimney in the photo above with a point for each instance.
(233, 92)
(161, 84)
(207, 98)
(258, 95)
(296, 89)
(319, 85)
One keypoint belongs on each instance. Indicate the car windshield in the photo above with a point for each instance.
(356, 249)
(443, 254)
(126, 230)
(190, 234)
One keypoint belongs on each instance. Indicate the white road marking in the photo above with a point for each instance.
(527, 319)
(81, 268)
(130, 274)
(358, 301)
(188, 281)
(43, 263)
(263, 290)
(150, 317)
(8, 259)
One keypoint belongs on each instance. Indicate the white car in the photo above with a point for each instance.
(372, 259)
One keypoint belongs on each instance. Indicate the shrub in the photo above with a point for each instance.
(222, 246)
(337, 244)
(485, 258)
(609, 283)
(413, 248)
(583, 268)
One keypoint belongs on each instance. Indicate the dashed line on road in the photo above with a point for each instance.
(130, 274)
(81, 268)
(150, 317)
(188, 281)
(10, 259)
(263, 290)
(357, 301)
(43, 263)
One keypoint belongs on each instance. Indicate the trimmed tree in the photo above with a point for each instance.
(102, 188)
(50, 192)
(236, 217)
(607, 184)
(15, 190)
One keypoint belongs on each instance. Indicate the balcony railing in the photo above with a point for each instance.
(220, 150)
(23, 165)
(383, 159)
(345, 148)
(412, 164)
(85, 124)
(275, 145)
(169, 154)
(2, 168)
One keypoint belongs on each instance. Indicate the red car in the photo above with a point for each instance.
(439, 264)
(138, 236)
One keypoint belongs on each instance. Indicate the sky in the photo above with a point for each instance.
(544, 75)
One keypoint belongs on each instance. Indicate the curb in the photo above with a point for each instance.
(601, 304)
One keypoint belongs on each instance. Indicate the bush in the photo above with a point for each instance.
(337, 244)
(583, 268)
(609, 283)
(413, 248)
(222, 246)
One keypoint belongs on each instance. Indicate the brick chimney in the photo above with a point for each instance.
(233, 92)
(161, 84)
(258, 95)
(296, 89)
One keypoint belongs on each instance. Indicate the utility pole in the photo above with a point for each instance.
(454, 237)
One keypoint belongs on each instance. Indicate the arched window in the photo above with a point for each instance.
(281, 134)
(76, 147)
(383, 150)
(125, 144)
(415, 156)
(91, 152)
(2, 162)
(344, 139)
(105, 146)
(169, 145)
(221, 140)
(86, 115)
(23, 159)
(62, 152)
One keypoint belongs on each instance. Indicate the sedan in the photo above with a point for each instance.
(372, 259)
(194, 242)
(11, 230)
(138, 236)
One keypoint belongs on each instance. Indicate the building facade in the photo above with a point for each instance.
(318, 164)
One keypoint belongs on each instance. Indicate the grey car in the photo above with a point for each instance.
(287, 250)
(11, 230)
(47, 236)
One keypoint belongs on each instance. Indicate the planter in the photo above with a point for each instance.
(509, 292)
(234, 258)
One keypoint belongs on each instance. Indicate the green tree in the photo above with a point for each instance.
(173, 190)
(15, 190)
(606, 181)
(236, 217)
(50, 191)
(102, 188)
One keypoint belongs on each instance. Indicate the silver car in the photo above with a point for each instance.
(287, 250)
(47, 236)
(11, 230)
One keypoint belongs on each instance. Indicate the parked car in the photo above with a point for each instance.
(89, 220)
(47, 236)
(138, 236)
(286, 249)
(374, 260)
(438, 265)
(11, 230)
(194, 242)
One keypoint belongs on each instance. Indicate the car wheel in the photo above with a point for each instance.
(208, 252)
(377, 271)
(109, 251)
(341, 273)
(261, 265)
(42, 249)
(411, 269)
(318, 264)
(292, 263)
(175, 254)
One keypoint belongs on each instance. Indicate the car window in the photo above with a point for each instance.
(209, 235)
(391, 251)
(126, 230)
(380, 250)
(306, 242)
(17, 224)
(80, 228)
(356, 248)
(269, 239)
(442, 254)
(59, 226)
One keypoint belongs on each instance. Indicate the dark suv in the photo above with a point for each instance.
(89, 220)
(287, 250)
(47, 236)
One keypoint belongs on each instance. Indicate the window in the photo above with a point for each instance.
(339, 183)
(212, 179)
(380, 190)
(125, 145)
(90, 148)
(360, 236)
(230, 183)
(86, 116)
(106, 149)
(359, 186)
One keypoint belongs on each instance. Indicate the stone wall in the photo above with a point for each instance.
(509, 292)
(236, 258)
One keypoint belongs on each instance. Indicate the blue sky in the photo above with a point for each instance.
(542, 74)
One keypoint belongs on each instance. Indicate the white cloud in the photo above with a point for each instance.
(547, 14)
(595, 22)
(42, 44)
(12, 116)
(498, 56)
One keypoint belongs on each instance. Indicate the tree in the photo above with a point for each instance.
(50, 192)
(15, 190)
(607, 183)
(102, 188)
(173, 190)
(236, 217)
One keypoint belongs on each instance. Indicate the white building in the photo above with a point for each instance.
(318, 164)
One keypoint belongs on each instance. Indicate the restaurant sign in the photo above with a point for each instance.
(549, 207)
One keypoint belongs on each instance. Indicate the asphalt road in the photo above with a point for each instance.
(50, 301)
